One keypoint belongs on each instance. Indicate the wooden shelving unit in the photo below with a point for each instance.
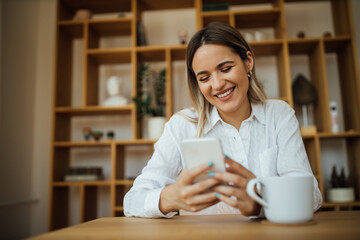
(91, 32)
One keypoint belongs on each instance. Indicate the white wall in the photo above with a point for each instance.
(26, 48)
(27, 63)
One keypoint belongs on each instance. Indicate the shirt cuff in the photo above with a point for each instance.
(151, 206)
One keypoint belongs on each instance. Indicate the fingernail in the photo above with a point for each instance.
(217, 195)
(210, 164)
(226, 157)
(211, 174)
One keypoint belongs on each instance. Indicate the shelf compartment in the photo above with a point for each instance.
(110, 59)
(241, 2)
(99, 30)
(148, 5)
(68, 8)
(151, 54)
(68, 52)
(336, 44)
(178, 52)
(120, 192)
(313, 51)
(59, 215)
(257, 18)
(267, 48)
(220, 16)
(343, 73)
(94, 110)
(303, 46)
(75, 29)
(272, 53)
(349, 134)
(110, 56)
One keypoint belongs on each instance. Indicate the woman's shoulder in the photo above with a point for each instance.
(184, 120)
(278, 107)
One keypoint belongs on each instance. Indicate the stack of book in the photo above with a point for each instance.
(83, 174)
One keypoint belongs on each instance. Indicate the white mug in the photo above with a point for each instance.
(285, 199)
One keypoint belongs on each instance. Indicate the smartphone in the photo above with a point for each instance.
(203, 150)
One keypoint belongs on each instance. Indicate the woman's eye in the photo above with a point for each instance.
(204, 78)
(226, 69)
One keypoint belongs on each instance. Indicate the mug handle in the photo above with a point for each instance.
(250, 189)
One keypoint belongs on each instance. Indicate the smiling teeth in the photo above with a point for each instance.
(225, 93)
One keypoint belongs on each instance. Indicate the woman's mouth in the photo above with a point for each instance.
(222, 95)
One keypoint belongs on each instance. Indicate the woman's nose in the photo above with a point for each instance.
(218, 82)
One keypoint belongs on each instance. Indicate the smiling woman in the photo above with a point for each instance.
(259, 137)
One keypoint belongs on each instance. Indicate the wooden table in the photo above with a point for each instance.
(329, 225)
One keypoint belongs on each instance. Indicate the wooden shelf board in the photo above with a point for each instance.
(348, 134)
(124, 182)
(344, 204)
(82, 183)
(104, 143)
(119, 208)
(95, 110)
(103, 6)
(242, 2)
(257, 18)
(110, 56)
(136, 142)
(267, 47)
(90, 143)
(308, 136)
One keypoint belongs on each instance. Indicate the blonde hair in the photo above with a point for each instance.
(222, 34)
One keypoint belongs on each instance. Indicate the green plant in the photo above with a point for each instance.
(150, 98)
(339, 181)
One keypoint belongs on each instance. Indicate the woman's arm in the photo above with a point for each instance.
(292, 158)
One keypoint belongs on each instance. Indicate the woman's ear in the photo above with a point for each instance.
(249, 61)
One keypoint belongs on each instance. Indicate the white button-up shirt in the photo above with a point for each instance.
(268, 143)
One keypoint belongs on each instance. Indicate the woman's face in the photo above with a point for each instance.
(222, 77)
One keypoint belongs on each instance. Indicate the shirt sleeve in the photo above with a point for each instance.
(162, 169)
(292, 157)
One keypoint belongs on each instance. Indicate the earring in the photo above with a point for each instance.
(250, 75)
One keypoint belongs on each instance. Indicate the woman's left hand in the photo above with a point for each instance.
(239, 176)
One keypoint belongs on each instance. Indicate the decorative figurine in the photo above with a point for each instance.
(327, 34)
(301, 34)
(183, 36)
(82, 14)
(113, 87)
(304, 94)
(87, 133)
(97, 135)
(110, 135)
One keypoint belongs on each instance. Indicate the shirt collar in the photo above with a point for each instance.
(257, 113)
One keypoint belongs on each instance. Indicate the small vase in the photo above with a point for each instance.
(156, 127)
(340, 195)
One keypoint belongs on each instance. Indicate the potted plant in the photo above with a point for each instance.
(341, 190)
(150, 100)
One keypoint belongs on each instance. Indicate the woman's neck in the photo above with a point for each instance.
(236, 118)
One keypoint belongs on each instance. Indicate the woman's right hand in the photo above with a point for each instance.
(185, 195)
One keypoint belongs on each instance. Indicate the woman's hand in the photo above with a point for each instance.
(185, 195)
(239, 176)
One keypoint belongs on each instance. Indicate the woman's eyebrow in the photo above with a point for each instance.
(223, 63)
(218, 66)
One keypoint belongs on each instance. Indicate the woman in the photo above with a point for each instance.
(259, 137)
